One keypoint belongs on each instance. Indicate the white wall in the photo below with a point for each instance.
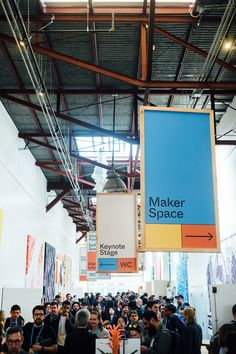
(23, 199)
(221, 267)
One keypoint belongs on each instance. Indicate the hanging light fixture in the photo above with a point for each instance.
(113, 182)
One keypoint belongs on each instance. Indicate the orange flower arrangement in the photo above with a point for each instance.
(116, 335)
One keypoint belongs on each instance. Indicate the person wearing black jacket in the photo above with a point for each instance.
(81, 341)
(63, 325)
(171, 320)
(16, 319)
(192, 334)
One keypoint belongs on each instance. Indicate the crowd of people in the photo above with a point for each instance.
(162, 326)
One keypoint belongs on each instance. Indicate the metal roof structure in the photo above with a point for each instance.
(68, 68)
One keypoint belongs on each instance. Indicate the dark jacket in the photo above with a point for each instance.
(9, 323)
(192, 339)
(162, 342)
(174, 323)
(80, 342)
(69, 326)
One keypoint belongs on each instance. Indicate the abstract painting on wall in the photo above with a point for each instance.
(34, 263)
(59, 273)
(49, 273)
(67, 274)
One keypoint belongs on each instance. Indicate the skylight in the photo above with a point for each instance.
(90, 146)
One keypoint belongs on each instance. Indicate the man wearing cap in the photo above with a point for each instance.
(180, 302)
(171, 319)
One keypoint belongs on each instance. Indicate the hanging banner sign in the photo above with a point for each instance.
(83, 264)
(178, 184)
(91, 251)
(116, 232)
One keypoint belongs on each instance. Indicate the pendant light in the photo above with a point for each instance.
(113, 182)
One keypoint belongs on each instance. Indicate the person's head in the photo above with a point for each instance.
(65, 309)
(47, 308)
(133, 316)
(54, 308)
(150, 321)
(134, 331)
(139, 302)
(189, 315)
(38, 315)
(111, 311)
(84, 306)
(120, 322)
(75, 306)
(95, 319)
(179, 299)
(234, 312)
(15, 312)
(82, 318)
(14, 339)
(169, 310)
(125, 309)
(223, 333)
(58, 298)
(68, 297)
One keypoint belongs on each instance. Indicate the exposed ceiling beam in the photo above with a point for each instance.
(61, 173)
(56, 200)
(111, 91)
(70, 119)
(124, 78)
(78, 157)
(123, 18)
(193, 48)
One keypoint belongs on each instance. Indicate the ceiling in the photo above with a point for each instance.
(96, 64)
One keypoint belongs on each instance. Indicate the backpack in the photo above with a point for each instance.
(176, 340)
(214, 345)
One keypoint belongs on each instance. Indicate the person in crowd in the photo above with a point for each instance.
(50, 318)
(139, 307)
(69, 298)
(14, 340)
(2, 322)
(75, 308)
(63, 324)
(223, 333)
(120, 322)
(96, 326)
(111, 315)
(58, 299)
(80, 341)
(124, 312)
(134, 331)
(180, 302)
(38, 336)
(160, 338)
(153, 306)
(15, 319)
(171, 320)
(84, 306)
(47, 308)
(234, 315)
(192, 333)
(231, 343)
(133, 317)
(2, 332)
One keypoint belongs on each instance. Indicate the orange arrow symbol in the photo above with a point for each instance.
(209, 236)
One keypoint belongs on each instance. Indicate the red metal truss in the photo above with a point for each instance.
(127, 79)
(61, 173)
(71, 120)
(56, 200)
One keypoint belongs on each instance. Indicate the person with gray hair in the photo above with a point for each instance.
(80, 341)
